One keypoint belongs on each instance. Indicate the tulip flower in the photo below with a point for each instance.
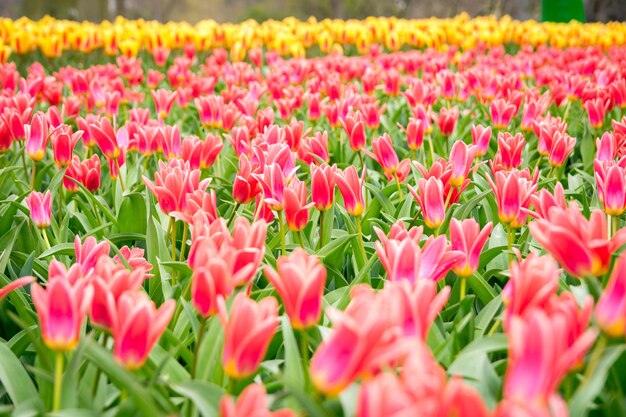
(462, 156)
(163, 101)
(209, 283)
(62, 306)
(37, 137)
(611, 186)
(251, 402)
(510, 149)
(364, 339)
(414, 133)
(386, 156)
(248, 331)
(354, 126)
(314, 150)
(543, 200)
(89, 253)
(562, 146)
(502, 112)
(532, 284)
(467, 237)
(581, 246)
(294, 133)
(351, 188)
(295, 205)
(134, 257)
(429, 196)
(137, 327)
(40, 206)
(446, 120)
(481, 138)
(63, 142)
(300, 283)
(199, 200)
(513, 190)
(596, 110)
(108, 140)
(246, 186)
(606, 147)
(322, 186)
(610, 311)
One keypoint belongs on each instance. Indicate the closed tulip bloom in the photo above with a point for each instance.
(248, 331)
(89, 253)
(295, 205)
(467, 237)
(414, 133)
(323, 186)
(314, 149)
(351, 188)
(300, 283)
(40, 206)
(108, 140)
(462, 156)
(384, 154)
(37, 136)
(532, 284)
(562, 146)
(15, 284)
(611, 182)
(354, 127)
(596, 110)
(610, 311)
(512, 190)
(252, 402)
(274, 182)
(63, 142)
(138, 326)
(245, 187)
(481, 138)
(581, 246)
(606, 146)
(62, 306)
(446, 120)
(502, 112)
(209, 283)
(510, 149)
(429, 196)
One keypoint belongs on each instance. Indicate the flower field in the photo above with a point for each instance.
(377, 218)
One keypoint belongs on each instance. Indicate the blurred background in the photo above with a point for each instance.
(238, 10)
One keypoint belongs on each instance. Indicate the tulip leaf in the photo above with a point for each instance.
(14, 378)
(205, 396)
(481, 288)
(132, 216)
(294, 374)
(60, 249)
(583, 399)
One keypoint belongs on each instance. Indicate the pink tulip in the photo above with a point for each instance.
(300, 283)
(15, 284)
(446, 120)
(108, 140)
(481, 138)
(351, 188)
(63, 142)
(610, 312)
(462, 156)
(414, 133)
(40, 206)
(611, 181)
(596, 110)
(62, 306)
(134, 257)
(467, 237)
(163, 101)
(513, 190)
(201, 153)
(502, 112)
(543, 200)
(138, 326)
(510, 149)
(314, 149)
(532, 284)
(37, 137)
(246, 186)
(430, 198)
(581, 246)
(322, 186)
(354, 126)
(295, 205)
(248, 331)
(562, 146)
(209, 284)
(89, 253)
(252, 402)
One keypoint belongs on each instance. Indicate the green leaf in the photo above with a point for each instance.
(60, 249)
(582, 400)
(294, 375)
(132, 217)
(481, 288)
(14, 377)
(204, 395)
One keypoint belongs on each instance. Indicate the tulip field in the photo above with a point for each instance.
(376, 218)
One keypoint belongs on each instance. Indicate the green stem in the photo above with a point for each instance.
(196, 348)
(463, 288)
(183, 243)
(304, 354)
(432, 151)
(173, 254)
(596, 355)
(300, 238)
(169, 228)
(321, 241)
(395, 176)
(232, 215)
(510, 240)
(24, 161)
(281, 226)
(614, 226)
(361, 159)
(359, 232)
(538, 162)
(567, 107)
(32, 178)
(495, 327)
(60, 203)
(119, 174)
(58, 381)
(45, 238)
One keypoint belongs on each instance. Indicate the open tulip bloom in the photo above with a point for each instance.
(378, 218)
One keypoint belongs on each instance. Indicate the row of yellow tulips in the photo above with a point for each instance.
(291, 36)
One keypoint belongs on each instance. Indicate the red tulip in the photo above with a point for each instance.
(37, 137)
(354, 126)
(610, 311)
(163, 101)
(63, 142)
(510, 149)
(513, 190)
(314, 150)
(300, 283)
(542, 201)
(138, 326)
(89, 253)
(481, 138)
(611, 181)
(322, 186)
(596, 110)
(502, 112)
(414, 133)
(562, 146)
(295, 205)
(248, 331)
(446, 120)
(246, 186)
(210, 283)
(40, 206)
(430, 198)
